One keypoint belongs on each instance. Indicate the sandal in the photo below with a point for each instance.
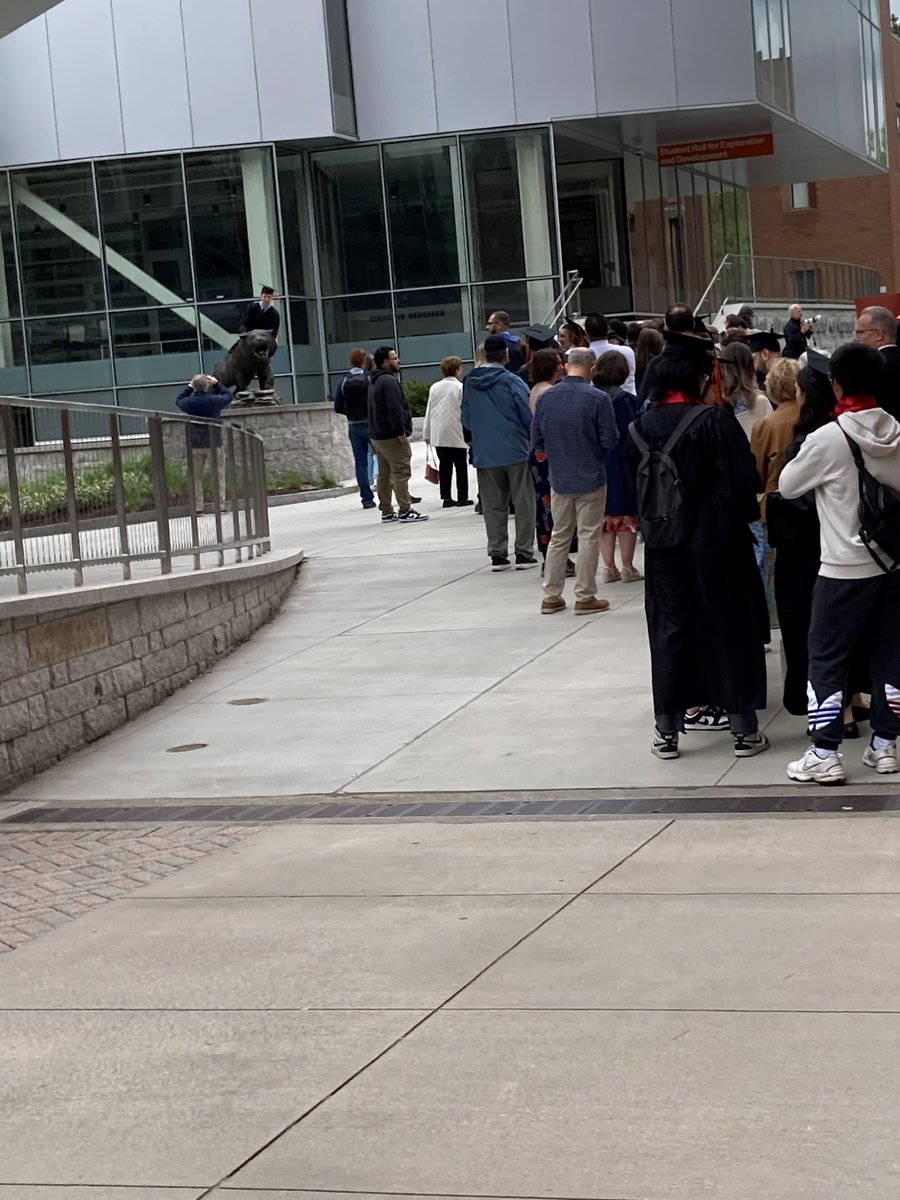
(631, 575)
(611, 575)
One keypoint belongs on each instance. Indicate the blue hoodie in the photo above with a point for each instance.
(495, 410)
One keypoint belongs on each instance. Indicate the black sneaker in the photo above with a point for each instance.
(500, 564)
(665, 745)
(449, 504)
(706, 718)
(570, 569)
(388, 517)
(369, 504)
(524, 562)
(748, 745)
(415, 499)
(464, 503)
(407, 518)
(478, 509)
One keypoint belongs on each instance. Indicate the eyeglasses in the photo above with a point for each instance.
(863, 332)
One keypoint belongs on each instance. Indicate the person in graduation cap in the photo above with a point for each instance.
(706, 606)
(766, 349)
(537, 337)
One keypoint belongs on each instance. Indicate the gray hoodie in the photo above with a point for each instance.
(825, 463)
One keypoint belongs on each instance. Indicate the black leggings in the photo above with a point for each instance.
(448, 458)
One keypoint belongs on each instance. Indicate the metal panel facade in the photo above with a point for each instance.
(85, 91)
(292, 68)
(393, 77)
(152, 76)
(221, 72)
(28, 128)
(714, 61)
(472, 65)
(553, 77)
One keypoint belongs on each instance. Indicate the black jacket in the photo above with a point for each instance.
(256, 318)
(388, 411)
(795, 342)
(890, 389)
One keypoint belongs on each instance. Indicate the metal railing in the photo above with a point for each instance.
(758, 279)
(87, 485)
(564, 300)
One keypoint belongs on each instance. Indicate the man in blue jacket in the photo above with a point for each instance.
(497, 418)
(205, 397)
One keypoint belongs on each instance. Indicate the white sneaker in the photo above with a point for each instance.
(884, 761)
(812, 769)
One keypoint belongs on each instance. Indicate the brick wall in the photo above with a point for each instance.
(67, 678)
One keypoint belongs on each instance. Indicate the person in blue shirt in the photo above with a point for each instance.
(575, 426)
(205, 397)
(496, 420)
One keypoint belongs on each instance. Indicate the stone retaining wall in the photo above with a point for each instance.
(308, 438)
(76, 665)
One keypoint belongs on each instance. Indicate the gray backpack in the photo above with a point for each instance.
(662, 509)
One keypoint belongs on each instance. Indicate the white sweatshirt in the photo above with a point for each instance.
(443, 426)
(825, 463)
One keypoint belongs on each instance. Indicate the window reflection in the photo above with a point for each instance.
(295, 223)
(143, 219)
(9, 285)
(156, 345)
(432, 324)
(366, 321)
(59, 273)
(350, 216)
(425, 210)
(69, 353)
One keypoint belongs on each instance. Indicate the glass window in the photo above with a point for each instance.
(428, 243)
(69, 353)
(592, 223)
(9, 284)
(158, 399)
(295, 223)
(366, 321)
(47, 427)
(220, 328)
(350, 215)
(231, 201)
(143, 219)
(433, 324)
(340, 66)
(510, 206)
(13, 376)
(873, 91)
(519, 299)
(157, 345)
(800, 195)
(774, 68)
(305, 337)
(60, 251)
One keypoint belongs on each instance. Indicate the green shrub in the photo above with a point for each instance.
(416, 396)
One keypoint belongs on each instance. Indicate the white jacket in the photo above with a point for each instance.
(826, 464)
(443, 426)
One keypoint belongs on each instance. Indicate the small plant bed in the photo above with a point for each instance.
(289, 482)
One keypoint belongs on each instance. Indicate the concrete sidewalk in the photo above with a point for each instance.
(637, 1009)
(400, 664)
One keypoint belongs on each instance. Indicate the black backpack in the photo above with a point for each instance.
(879, 513)
(662, 509)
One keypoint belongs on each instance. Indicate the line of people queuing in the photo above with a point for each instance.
(737, 465)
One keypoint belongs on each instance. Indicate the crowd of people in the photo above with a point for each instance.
(761, 483)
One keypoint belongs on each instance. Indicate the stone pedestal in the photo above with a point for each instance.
(308, 438)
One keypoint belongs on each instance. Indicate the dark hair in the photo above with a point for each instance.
(544, 366)
(497, 357)
(858, 369)
(618, 328)
(577, 332)
(680, 318)
(611, 370)
(268, 291)
(678, 373)
(649, 344)
(382, 354)
(597, 327)
(733, 321)
(818, 404)
(634, 332)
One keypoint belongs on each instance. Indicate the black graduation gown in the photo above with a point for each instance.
(706, 605)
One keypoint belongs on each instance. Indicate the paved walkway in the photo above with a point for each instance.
(401, 664)
(591, 1009)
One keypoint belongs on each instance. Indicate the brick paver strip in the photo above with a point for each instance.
(50, 877)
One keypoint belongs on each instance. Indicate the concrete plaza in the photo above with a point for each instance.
(653, 1008)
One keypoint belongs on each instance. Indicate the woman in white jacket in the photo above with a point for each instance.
(444, 431)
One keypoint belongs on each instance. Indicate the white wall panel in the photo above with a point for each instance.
(825, 33)
(292, 68)
(472, 66)
(152, 76)
(28, 127)
(392, 73)
(552, 81)
(634, 62)
(715, 60)
(221, 71)
(85, 79)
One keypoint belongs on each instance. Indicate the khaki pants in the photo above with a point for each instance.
(394, 469)
(212, 457)
(498, 486)
(582, 514)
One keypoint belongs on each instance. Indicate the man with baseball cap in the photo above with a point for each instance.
(765, 348)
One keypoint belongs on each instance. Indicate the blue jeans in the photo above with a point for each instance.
(362, 449)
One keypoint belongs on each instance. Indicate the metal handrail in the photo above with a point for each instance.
(846, 281)
(564, 299)
(118, 509)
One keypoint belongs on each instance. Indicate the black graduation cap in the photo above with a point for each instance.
(819, 362)
(540, 333)
(760, 340)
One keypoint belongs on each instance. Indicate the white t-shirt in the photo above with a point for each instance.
(604, 346)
